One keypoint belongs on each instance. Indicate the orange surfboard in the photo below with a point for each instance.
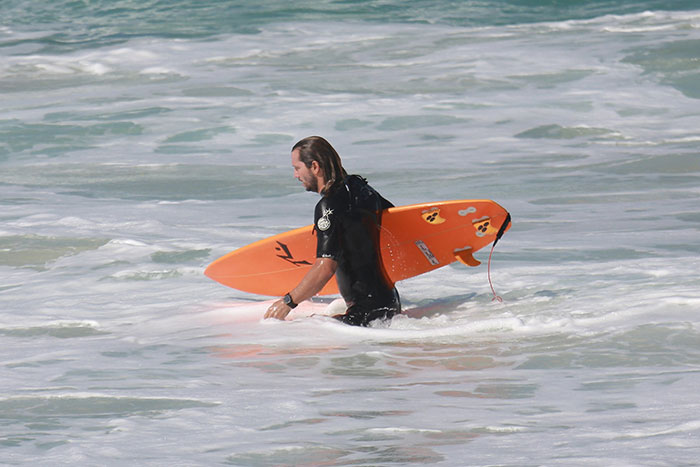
(414, 240)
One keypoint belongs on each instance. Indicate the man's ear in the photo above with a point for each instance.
(315, 167)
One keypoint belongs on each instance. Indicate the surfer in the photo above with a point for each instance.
(346, 222)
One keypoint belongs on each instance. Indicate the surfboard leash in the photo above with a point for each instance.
(500, 233)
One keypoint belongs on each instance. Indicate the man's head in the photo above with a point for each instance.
(317, 165)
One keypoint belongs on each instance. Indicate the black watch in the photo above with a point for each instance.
(287, 299)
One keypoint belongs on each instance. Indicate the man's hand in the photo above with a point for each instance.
(278, 310)
(312, 283)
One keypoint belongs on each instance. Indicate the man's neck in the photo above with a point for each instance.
(321, 186)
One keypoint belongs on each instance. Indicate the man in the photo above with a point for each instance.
(347, 223)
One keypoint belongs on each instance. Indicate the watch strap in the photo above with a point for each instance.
(288, 300)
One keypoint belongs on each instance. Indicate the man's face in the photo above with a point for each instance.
(303, 173)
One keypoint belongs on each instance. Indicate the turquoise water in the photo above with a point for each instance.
(139, 141)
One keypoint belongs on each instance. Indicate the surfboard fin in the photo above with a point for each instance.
(466, 256)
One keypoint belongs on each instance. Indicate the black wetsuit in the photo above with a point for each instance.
(347, 222)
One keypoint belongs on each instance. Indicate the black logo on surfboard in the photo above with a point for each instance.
(287, 256)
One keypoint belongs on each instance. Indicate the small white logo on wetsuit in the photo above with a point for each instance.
(324, 223)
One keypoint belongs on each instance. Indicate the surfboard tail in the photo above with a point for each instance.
(502, 230)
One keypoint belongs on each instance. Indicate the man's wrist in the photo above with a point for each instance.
(287, 299)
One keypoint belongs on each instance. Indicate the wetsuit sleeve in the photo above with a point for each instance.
(328, 230)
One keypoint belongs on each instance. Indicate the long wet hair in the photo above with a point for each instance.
(315, 148)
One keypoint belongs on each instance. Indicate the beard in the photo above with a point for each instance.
(311, 184)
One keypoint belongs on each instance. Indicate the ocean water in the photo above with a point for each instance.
(139, 141)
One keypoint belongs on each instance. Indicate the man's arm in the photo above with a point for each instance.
(312, 283)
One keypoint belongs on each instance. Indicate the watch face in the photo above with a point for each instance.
(287, 299)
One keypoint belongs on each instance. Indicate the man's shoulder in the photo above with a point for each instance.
(364, 195)
(331, 204)
(336, 199)
(355, 181)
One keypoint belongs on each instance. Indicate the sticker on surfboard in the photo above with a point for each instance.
(432, 216)
(427, 253)
(484, 227)
(288, 256)
(467, 211)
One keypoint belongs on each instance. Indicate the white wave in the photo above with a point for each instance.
(683, 428)
(63, 323)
